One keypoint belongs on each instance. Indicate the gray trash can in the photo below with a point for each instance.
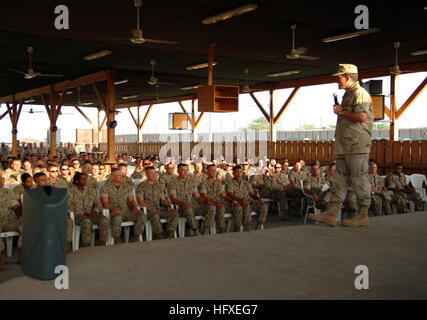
(44, 231)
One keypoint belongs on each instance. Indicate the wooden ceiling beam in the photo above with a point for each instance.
(411, 98)
(259, 106)
(145, 117)
(285, 105)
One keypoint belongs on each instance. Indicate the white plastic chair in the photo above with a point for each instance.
(309, 206)
(8, 237)
(417, 182)
(11, 186)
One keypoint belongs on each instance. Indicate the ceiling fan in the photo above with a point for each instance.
(154, 80)
(396, 68)
(136, 37)
(298, 53)
(29, 74)
(246, 88)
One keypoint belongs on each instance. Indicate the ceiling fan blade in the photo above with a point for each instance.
(18, 71)
(300, 50)
(309, 57)
(162, 41)
(166, 83)
(50, 75)
(112, 38)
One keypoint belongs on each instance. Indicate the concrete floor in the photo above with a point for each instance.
(280, 262)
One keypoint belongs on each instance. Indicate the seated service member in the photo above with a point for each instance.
(91, 181)
(40, 179)
(84, 202)
(213, 191)
(169, 174)
(27, 183)
(313, 186)
(184, 193)
(116, 195)
(402, 192)
(381, 199)
(53, 179)
(13, 174)
(239, 190)
(295, 177)
(8, 221)
(150, 195)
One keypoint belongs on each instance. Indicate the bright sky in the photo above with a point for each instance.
(311, 105)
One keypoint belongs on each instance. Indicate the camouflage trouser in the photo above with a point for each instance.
(350, 203)
(9, 223)
(208, 212)
(237, 213)
(401, 198)
(219, 217)
(380, 204)
(352, 171)
(280, 196)
(70, 229)
(138, 218)
(189, 215)
(295, 193)
(260, 209)
(103, 225)
(116, 225)
(163, 213)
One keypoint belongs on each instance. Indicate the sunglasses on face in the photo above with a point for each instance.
(147, 164)
(277, 167)
(54, 171)
(64, 169)
(101, 168)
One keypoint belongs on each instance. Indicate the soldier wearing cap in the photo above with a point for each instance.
(169, 174)
(353, 135)
(381, 198)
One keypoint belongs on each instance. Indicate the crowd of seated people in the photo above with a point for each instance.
(142, 188)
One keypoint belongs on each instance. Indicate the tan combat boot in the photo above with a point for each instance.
(329, 216)
(359, 220)
(2, 261)
(170, 234)
(196, 232)
(205, 231)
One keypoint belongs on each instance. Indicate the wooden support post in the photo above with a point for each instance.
(138, 127)
(14, 114)
(272, 124)
(110, 104)
(210, 62)
(53, 117)
(193, 122)
(394, 125)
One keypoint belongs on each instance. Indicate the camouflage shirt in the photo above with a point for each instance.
(314, 185)
(165, 179)
(117, 195)
(213, 190)
(83, 201)
(151, 194)
(184, 190)
(395, 181)
(7, 202)
(139, 174)
(60, 183)
(376, 182)
(197, 180)
(240, 189)
(12, 177)
(297, 177)
(352, 136)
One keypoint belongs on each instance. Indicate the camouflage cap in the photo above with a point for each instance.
(344, 68)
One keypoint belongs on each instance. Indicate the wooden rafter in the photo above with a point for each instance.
(411, 99)
(4, 114)
(198, 119)
(260, 106)
(185, 111)
(100, 97)
(134, 120)
(285, 105)
(387, 112)
(86, 117)
(145, 117)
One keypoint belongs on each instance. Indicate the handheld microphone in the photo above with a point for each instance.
(335, 98)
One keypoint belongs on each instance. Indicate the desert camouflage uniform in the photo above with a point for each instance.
(381, 201)
(241, 189)
(19, 190)
(350, 202)
(197, 180)
(92, 183)
(294, 190)
(42, 151)
(213, 191)
(272, 190)
(152, 194)
(68, 179)
(225, 176)
(165, 179)
(60, 183)
(8, 221)
(400, 198)
(352, 147)
(86, 201)
(184, 191)
(315, 186)
(118, 197)
(139, 174)
(12, 177)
